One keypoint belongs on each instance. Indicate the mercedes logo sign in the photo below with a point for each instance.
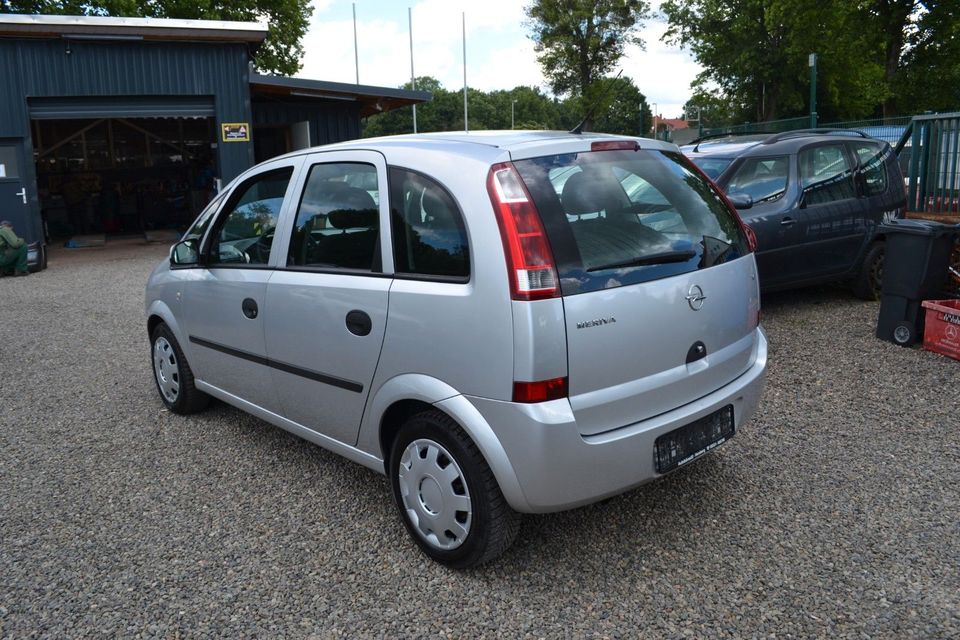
(695, 297)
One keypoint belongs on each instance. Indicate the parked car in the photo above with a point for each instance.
(499, 322)
(814, 199)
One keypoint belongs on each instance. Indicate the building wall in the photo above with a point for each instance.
(328, 124)
(44, 68)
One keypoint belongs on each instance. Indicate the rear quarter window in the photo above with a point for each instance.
(615, 218)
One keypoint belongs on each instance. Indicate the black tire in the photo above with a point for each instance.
(867, 284)
(491, 524)
(175, 371)
(905, 333)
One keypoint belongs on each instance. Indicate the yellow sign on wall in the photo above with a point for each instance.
(235, 131)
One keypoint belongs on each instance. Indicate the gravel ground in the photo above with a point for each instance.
(833, 513)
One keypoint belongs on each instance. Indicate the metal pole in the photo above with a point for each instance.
(813, 90)
(512, 119)
(356, 56)
(413, 78)
(656, 134)
(466, 126)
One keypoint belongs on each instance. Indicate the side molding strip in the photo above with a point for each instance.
(333, 381)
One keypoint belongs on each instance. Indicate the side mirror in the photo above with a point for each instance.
(185, 252)
(740, 200)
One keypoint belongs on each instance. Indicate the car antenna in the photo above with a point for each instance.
(579, 128)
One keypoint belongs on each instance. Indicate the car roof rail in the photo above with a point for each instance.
(799, 133)
(713, 136)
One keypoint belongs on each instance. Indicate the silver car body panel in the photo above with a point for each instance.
(460, 345)
(559, 468)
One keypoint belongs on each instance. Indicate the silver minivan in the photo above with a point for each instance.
(501, 322)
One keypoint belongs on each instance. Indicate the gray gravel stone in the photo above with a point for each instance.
(834, 512)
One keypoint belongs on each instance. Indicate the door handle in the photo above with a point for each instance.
(359, 323)
(23, 194)
(786, 222)
(250, 308)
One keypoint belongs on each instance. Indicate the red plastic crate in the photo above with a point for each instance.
(941, 332)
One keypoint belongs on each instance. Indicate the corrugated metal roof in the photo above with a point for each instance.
(131, 28)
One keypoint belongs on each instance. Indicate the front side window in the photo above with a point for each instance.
(245, 232)
(429, 237)
(825, 174)
(616, 218)
(763, 179)
(872, 159)
(338, 221)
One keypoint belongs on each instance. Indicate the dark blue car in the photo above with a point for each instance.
(814, 198)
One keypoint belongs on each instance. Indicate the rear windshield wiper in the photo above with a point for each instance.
(654, 258)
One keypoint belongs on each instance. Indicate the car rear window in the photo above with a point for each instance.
(615, 218)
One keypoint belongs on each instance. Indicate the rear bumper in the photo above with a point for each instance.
(557, 468)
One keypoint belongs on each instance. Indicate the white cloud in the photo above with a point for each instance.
(499, 53)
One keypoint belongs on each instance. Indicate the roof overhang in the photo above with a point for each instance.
(110, 28)
(372, 100)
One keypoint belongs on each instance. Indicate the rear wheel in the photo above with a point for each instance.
(173, 375)
(867, 284)
(447, 495)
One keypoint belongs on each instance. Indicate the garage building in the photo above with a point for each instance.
(126, 125)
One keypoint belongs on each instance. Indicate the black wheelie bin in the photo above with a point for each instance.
(914, 270)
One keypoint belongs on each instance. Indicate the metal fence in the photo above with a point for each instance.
(932, 143)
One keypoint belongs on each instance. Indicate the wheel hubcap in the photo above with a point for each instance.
(166, 370)
(435, 495)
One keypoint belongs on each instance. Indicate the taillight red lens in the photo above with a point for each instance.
(541, 391)
(533, 273)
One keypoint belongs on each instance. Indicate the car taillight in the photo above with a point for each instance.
(533, 273)
(751, 236)
(541, 391)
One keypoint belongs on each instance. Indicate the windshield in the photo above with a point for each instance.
(713, 167)
(620, 217)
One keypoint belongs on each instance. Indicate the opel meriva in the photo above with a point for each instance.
(500, 322)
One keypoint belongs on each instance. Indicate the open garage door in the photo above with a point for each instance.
(123, 165)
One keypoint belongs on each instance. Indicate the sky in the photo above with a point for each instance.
(499, 53)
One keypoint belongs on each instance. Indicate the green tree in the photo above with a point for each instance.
(933, 52)
(871, 53)
(579, 41)
(280, 53)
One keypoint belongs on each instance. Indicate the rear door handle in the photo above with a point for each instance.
(359, 323)
(786, 222)
(250, 308)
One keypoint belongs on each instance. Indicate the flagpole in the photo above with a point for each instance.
(413, 78)
(356, 56)
(466, 126)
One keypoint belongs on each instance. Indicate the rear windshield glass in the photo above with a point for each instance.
(621, 217)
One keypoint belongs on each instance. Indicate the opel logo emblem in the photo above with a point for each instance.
(695, 297)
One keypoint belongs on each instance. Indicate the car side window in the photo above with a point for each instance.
(244, 233)
(825, 174)
(429, 235)
(872, 159)
(763, 179)
(338, 220)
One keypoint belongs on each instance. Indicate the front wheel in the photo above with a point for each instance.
(173, 375)
(867, 284)
(447, 496)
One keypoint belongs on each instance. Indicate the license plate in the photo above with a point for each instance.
(693, 440)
